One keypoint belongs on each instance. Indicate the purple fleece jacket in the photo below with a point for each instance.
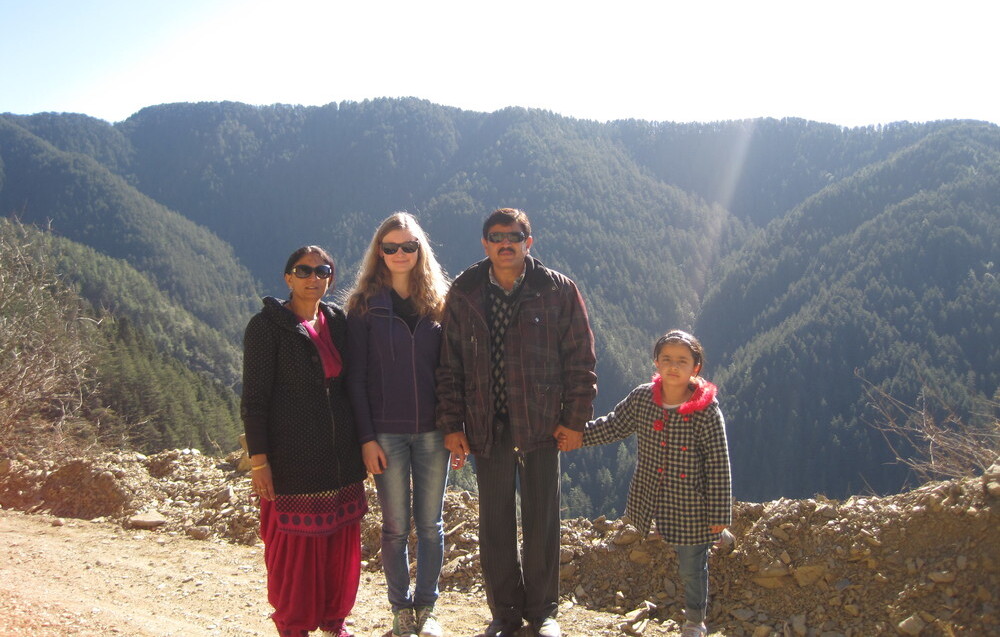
(391, 377)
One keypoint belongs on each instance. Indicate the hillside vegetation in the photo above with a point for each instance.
(810, 258)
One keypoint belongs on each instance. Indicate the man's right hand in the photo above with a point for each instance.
(458, 445)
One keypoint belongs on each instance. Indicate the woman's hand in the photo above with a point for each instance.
(261, 480)
(374, 457)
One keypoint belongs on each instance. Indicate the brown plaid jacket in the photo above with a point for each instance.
(549, 360)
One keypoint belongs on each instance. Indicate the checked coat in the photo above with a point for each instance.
(681, 478)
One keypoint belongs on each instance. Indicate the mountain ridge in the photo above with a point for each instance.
(779, 242)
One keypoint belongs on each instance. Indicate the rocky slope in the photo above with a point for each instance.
(925, 562)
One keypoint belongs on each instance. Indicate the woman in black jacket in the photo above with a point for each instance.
(304, 453)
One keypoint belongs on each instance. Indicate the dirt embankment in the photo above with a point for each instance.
(122, 543)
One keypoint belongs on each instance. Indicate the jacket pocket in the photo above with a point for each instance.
(548, 402)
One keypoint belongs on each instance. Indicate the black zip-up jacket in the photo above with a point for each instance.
(303, 422)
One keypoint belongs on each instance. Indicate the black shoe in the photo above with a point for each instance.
(548, 627)
(502, 628)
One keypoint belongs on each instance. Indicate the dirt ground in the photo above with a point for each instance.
(96, 578)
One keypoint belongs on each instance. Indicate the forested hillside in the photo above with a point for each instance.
(888, 274)
(107, 347)
(807, 256)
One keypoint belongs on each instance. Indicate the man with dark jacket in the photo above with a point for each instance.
(516, 375)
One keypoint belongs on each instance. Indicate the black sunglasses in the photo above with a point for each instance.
(409, 247)
(513, 237)
(305, 271)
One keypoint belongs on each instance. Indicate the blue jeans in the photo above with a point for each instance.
(423, 459)
(692, 567)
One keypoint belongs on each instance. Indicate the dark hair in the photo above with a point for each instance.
(507, 217)
(684, 338)
(318, 251)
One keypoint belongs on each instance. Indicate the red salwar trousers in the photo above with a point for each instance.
(312, 581)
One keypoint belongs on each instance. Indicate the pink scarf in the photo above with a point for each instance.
(332, 363)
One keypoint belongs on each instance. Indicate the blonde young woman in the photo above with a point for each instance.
(394, 338)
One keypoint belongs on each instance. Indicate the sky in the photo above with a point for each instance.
(846, 62)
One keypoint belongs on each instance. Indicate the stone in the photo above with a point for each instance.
(669, 588)
(641, 612)
(600, 523)
(912, 625)
(451, 568)
(148, 520)
(224, 497)
(941, 577)
(243, 464)
(628, 535)
(808, 575)
(799, 625)
(199, 532)
(640, 557)
(993, 488)
(827, 510)
(772, 581)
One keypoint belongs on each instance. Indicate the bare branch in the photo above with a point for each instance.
(935, 447)
(44, 357)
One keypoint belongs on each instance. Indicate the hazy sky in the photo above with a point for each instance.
(846, 62)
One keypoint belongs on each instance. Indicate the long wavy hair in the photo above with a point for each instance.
(428, 282)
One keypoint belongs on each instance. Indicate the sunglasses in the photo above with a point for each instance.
(305, 271)
(513, 237)
(409, 247)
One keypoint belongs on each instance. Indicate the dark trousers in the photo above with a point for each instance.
(521, 584)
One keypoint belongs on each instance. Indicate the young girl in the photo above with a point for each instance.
(682, 476)
(394, 339)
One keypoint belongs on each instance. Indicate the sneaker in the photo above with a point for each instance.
(548, 627)
(427, 624)
(404, 623)
(692, 629)
(500, 627)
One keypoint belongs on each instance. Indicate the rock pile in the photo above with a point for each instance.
(925, 562)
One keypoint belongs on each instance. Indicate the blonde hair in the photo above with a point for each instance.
(428, 282)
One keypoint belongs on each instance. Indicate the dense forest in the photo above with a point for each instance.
(815, 262)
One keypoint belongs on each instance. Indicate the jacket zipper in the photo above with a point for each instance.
(413, 369)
